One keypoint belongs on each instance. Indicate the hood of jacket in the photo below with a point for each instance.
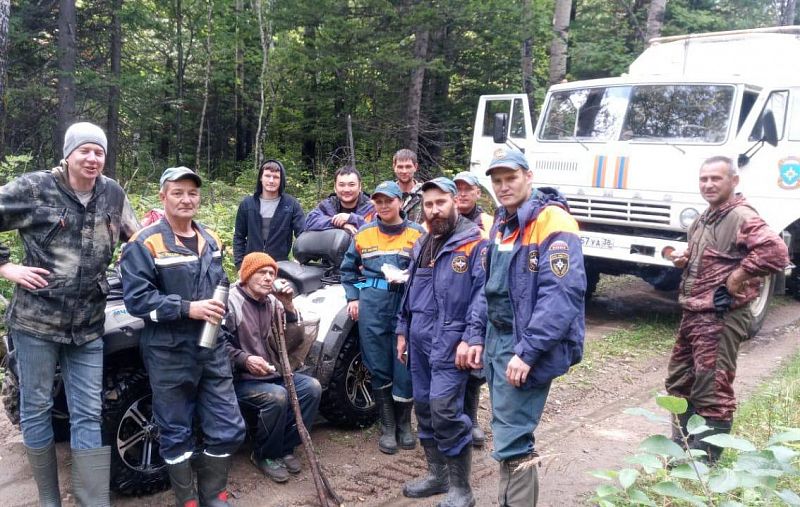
(260, 186)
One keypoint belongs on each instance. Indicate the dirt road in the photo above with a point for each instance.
(583, 427)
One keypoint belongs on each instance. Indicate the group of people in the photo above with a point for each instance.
(446, 297)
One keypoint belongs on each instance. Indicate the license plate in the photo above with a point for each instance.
(601, 243)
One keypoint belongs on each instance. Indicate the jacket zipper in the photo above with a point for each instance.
(60, 225)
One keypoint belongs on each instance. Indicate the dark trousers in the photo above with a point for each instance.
(189, 381)
(703, 362)
(276, 433)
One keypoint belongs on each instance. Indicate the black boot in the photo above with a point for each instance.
(45, 472)
(212, 480)
(405, 434)
(182, 479)
(388, 441)
(472, 400)
(459, 467)
(712, 451)
(680, 421)
(437, 481)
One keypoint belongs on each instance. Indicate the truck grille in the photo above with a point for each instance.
(555, 165)
(603, 208)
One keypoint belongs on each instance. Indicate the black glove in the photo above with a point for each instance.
(722, 300)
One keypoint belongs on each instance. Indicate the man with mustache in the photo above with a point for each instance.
(349, 208)
(535, 289)
(442, 316)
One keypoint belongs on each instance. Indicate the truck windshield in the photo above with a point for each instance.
(673, 113)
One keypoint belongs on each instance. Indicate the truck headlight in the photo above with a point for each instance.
(687, 217)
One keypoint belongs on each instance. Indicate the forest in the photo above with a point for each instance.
(219, 85)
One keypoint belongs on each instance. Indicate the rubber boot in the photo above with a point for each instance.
(388, 441)
(212, 480)
(91, 475)
(182, 479)
(405, 434)
(459, 468)
(519, 485)
(681, 420)
(45, 472)
(712, 451)
(472, 398)
(437, 481)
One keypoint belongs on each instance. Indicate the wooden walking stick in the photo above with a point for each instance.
(327, 496)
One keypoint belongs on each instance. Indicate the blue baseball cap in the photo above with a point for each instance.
(511, 159)
(389, 189)
(179, 173)
(442, 183)
(467, 177)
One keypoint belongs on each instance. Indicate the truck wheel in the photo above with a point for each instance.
(348, 400)
(760, 305)
(592, 279)
(128, 427)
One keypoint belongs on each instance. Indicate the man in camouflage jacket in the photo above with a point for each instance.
(69, 219)
(730, 249)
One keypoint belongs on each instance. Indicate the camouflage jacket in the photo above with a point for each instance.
(74, 242)
(721, 240)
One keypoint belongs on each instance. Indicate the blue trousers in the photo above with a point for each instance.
(438, 395)
(188, 381)
(515, 411)
(377, 319)
(276, 431)
(82, 372)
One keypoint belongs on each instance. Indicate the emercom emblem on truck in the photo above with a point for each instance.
(790, 173)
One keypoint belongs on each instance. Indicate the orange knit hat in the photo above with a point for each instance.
(254, 261)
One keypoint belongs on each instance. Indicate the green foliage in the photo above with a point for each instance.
(12, 166)
(761, 465)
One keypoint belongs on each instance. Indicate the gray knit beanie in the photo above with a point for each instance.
(83, 133)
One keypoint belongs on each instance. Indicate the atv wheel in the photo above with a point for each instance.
(760, 305)
(128, 427)
(348, 400)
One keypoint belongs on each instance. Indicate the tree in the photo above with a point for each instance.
(558, 47)
(5, 12)
(112, 125)
(527, 50)
(655, 19)
(66, 66)
(787, 12)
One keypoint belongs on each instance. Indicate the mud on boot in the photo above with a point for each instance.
(405, 434)
(472, 400)
(459, 468)
(437, 481)
(388, 427)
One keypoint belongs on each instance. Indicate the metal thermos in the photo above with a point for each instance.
(208, 338)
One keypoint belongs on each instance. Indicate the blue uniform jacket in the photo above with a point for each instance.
(161, 277)
(547, 285)
(319, 219)
(458, 278)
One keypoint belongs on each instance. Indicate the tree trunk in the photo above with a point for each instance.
(209, 19)
(112, 125)
(265, 32)
(308, 151)
(238, 104)
(179, 70)
(558, 47)
(66, 67)
(655, 19)
(527, 50)
(788, 12)
(422, 36)
(5, 12)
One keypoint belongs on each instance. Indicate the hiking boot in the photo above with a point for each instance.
(292, 464)
(437, 481)
(459, 494)
(275, 469)
(713, 453)
(182, 479)
(405, 434)
(472, 400)
(388, 441)
(212, 480)
(45, 472)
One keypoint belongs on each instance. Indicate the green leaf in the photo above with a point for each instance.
(638, 497)
(673, 404)
(673, 490)
(696, 424)
(728, 441)
(606, 475)
(790, 497)
(661, 445)
(687, 471)
(604, 490)
(731, 503)
(722, 481)
(748, 480)
(782, 454)
(649, 463)
(606, 503)
(627, 476)
(643, 412)
(791, 435)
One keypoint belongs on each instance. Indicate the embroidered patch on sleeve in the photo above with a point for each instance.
(533, 261)
(559, 264)
(459, 264)
(558, 245)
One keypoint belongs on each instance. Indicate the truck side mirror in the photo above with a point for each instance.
(769, 132)
(500, 128)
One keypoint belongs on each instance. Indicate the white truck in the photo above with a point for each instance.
(625, 151)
